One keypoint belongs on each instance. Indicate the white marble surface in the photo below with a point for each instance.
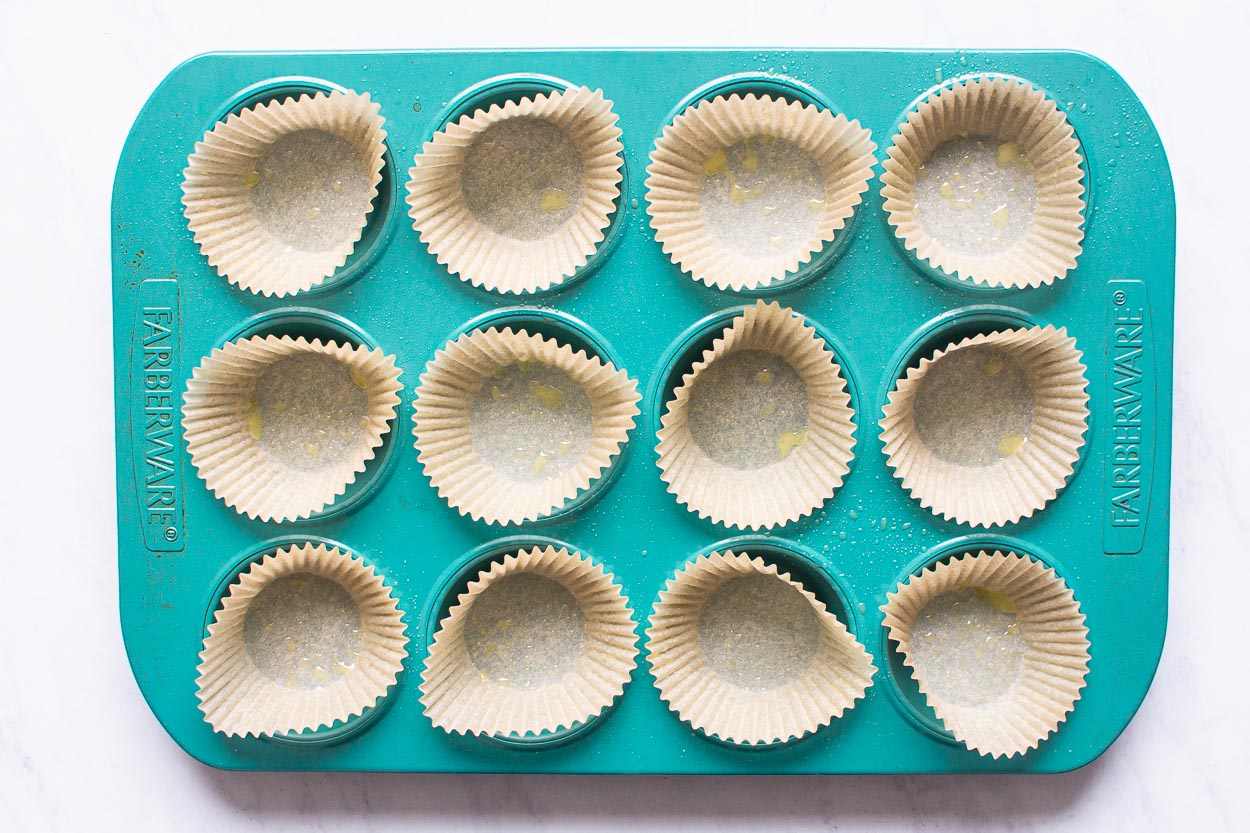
(89, 755)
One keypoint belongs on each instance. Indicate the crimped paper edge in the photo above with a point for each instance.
(752, 499)
(341, 700)
(603, 677)
(1051, 248)
(444, 445)
(909, 598)
(682, 592)
(483, 257)
(1003, 494)
(250, 258)
(841, 147)
(231, 463)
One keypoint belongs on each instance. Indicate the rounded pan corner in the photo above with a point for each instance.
(1116, 76)
(1094, 753)
(215, 758)
(222, 762)
(138, 130)
(1087, 757)
(197, 58)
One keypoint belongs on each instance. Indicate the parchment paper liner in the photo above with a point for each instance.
(444, 446)
(483, 256)
(839, 675)
(1006, 109)
(675, 178)
(1055, 662)
(236, 467)
(460, 698)
(238, 700)
(219, 209)
(1020, 484)
(791, 487)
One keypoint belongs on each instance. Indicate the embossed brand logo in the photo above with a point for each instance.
(1130, 417)
(159, 476)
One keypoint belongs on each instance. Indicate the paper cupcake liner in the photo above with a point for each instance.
(463, 698)
(841, 149)
(491, 258)
(223, 431)
(792, 487)
(444, 443)
(839, 674)
(239, 699)
(1055, 661)
(1007, 110)
(220, 178)
(1022, 482)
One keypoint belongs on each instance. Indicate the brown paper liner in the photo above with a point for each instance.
(238, 700)
(445, 397)
(1055, 662)
(792, 487)
(838, 676)
(841, 148)
(486, 257)
(1019, 484)
(236, 466)
(459, 697)
(218, 205)
(1005, 109)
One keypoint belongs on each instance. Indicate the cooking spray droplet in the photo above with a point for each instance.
(740, 195)
(717, 163)
(253, 420)
(549, 396)
(787, 441)
(553, 199)
(1010, 444)
(1008, 153)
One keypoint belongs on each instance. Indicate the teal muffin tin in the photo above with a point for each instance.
(1106, 534)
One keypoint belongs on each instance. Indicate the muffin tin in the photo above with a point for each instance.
(879, 310)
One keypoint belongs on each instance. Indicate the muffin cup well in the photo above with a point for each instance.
(475, 682)
(278, 195)
(817, 459)
(517, 198)
(822, 169)
(1033, 459)
(252, 461)
(443, 424)
(703, 687)
(1052, 665)
(1031, 128)
(238, 685)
